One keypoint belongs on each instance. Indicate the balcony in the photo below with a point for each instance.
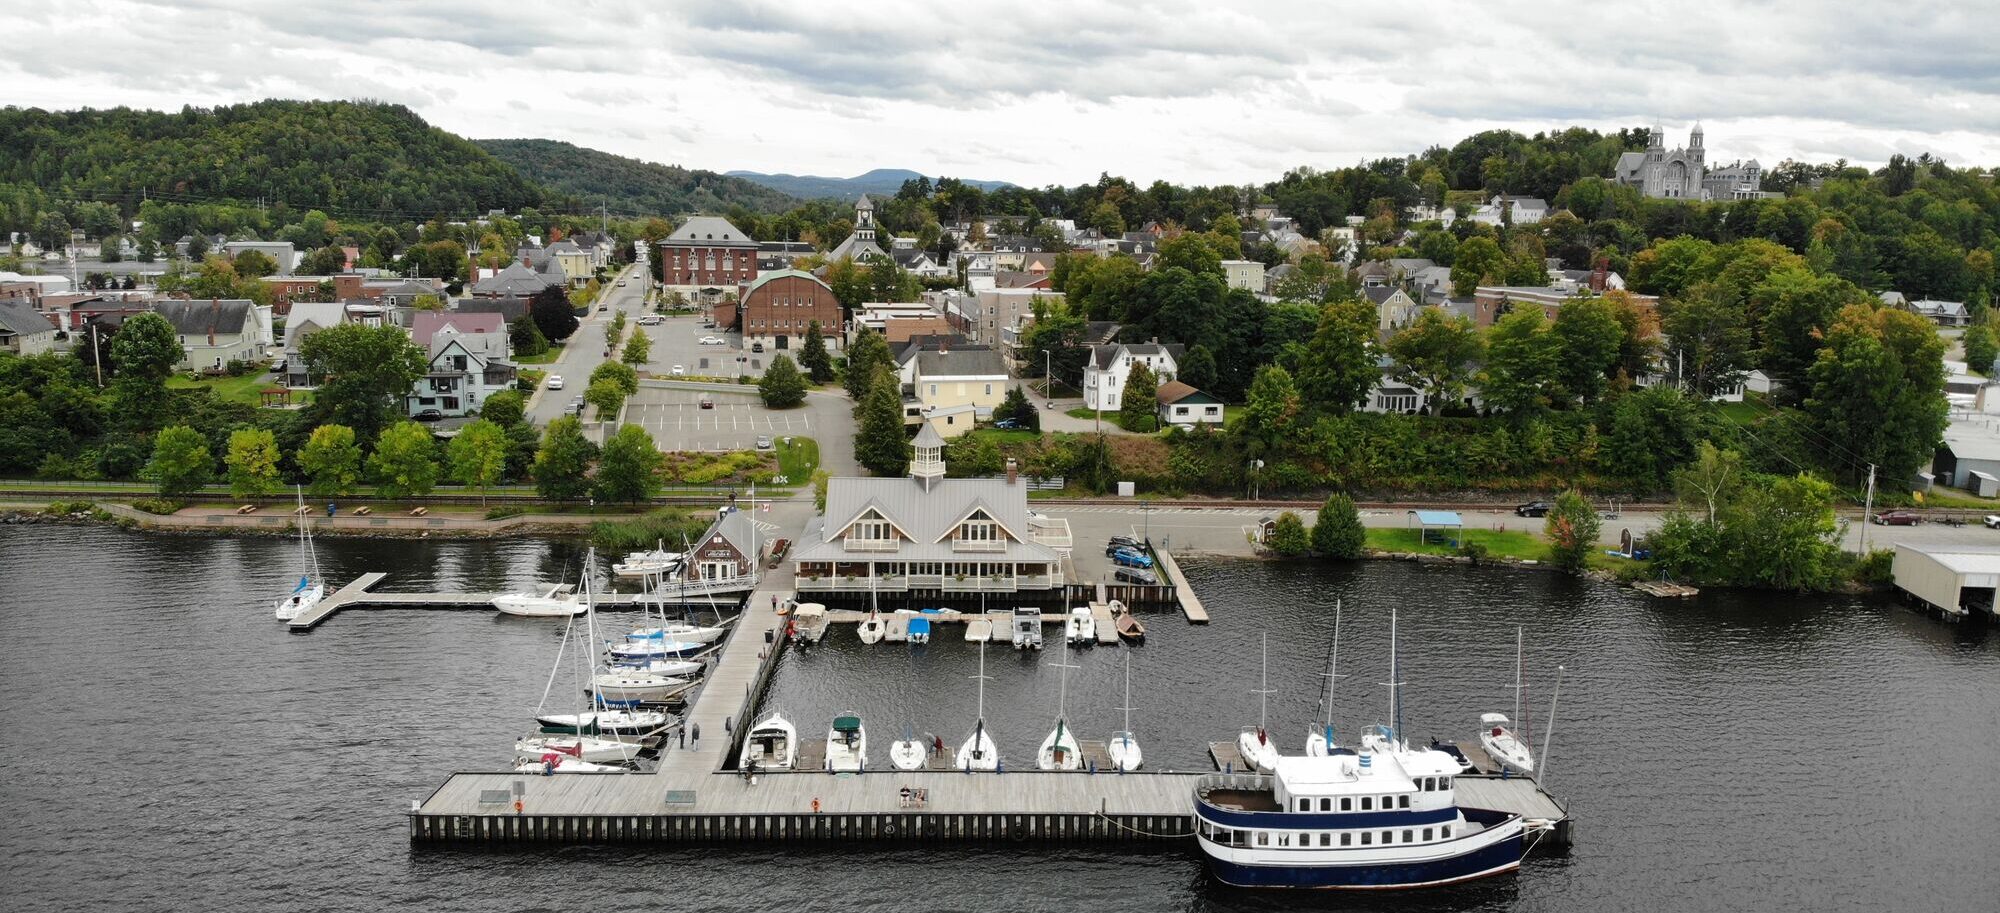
(852, 544)
(978, 545)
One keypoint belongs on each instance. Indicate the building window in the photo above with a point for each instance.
(1212, 410)
(1346, 804)
(1367, 803)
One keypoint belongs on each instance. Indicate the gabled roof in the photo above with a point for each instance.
(199, 318)
(710, 230)
(18, 318)
(508, 308)
(1174, 391)
(515, 279)
(1377, 294)
(960, 363)
(430, 323)
(317, 315)
(925, 516)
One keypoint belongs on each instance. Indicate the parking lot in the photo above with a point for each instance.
(677, 341)
(677, 422)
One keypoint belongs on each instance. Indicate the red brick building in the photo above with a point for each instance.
(707, 253)
(778, 308)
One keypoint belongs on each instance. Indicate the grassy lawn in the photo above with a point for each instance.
(1004, 436)
(1086, 413)
(1746, 412)
(1941, 496)
(1499, 544)
(246, 389)
(555, 351)
(798, 459)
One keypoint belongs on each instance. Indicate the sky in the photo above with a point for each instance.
(1039, 93)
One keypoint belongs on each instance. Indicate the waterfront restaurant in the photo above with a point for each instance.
(929, 535)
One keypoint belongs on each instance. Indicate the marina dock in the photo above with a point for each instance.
(360, 593)
(1170, 573)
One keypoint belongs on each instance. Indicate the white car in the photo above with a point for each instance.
(711, 340)
(652, 320)
(1992, 521)
(555, 382)
(678, 370)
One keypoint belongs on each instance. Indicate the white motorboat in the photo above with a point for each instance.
(908, 753)
(672, 668)
(979, 630)
(1319, 739)
(1125, 753)
(1505, 747)
(872, 628)
(556, 763)
(632, 650)
(656, 562)
(629, 688)
(604, 722)
(311, 588)
(588, 748)
(772, 744)
(1059, 750)
(979, 752)
(1080, 628)
(1027, 629)
(551, 604)
(847, 744)
(1255, 745)
(686, 633)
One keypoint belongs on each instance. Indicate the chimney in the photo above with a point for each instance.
(1013, 471)
(214, 314)
(1599, 274)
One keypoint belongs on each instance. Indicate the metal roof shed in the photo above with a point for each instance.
(1954, 579)
(1427, 520)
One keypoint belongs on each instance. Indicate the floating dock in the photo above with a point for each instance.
(1170, 572)
(360, 593)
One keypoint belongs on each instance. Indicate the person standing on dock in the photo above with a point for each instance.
(684, 737)
(697, 736)
(726, 726)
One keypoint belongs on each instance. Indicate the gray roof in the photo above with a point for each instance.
(199, 318)
(21, 319)
(710, 230)
(926, 516)
(508, 308)
(515, 279)
(1377, 294)
(961, 363)
(319, 315)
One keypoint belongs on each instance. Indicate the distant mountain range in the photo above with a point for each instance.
(629, 185)
(883, 181)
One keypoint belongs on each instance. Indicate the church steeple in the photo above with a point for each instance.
(864, 219)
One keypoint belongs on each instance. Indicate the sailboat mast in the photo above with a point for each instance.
(1333, 672)
(1128, 694)
(1395, 695)
(1264, 687)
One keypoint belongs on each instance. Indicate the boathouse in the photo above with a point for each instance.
(727, 551)
(1956, 580)
(930, 535)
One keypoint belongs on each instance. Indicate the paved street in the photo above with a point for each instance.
(585, 350)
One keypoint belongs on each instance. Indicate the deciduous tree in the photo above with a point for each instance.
(1338, 368)
(332, 460)
(1571, 528)
(562, 465)
(405, 461)
(638, 348)
(181, 462)
(553, 313)
(1521, 363)
(364, 373)
(629, 469)
(1436, 354)
(478, 455)
(1338, 532)
(253, 462)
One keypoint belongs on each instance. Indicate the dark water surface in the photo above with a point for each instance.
(168, 746)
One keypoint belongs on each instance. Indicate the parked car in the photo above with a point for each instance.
(427, 415)
(1007, 424)
(678, 370)
(778, 549)
(756, 347)
(711, 340)
(621, 283)
(603, 307)
(763, 442)
(1898, 518)
(555, 382)
(1135, 575)
(705, 402)
(652, 320)
(1124, 542)
(1533, 509)
(1129, 557)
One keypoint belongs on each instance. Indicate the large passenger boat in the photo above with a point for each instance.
(1383, 818)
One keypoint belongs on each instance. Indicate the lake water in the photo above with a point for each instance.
(170, 747)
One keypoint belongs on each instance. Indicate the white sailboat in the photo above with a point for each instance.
(312, 587)
(772, 744)
(1319, 739)
(671, 668)
(1059, 750)
(613, 723)
(907, 753)
(550, 603)
(1496, 734)
(583, 747)
(1255, 745)
(979, 752)
(1080, 628)
(872, 628)
(847, 744)
(1125, 754)
(685, 633)
(626, 689)
(558, 763)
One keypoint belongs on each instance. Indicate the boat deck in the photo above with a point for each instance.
(1243, 800)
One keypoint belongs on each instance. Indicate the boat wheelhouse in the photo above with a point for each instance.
(1379, 819)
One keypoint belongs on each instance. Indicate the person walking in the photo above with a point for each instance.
(684, 737)
(727, 726)
(697, 736)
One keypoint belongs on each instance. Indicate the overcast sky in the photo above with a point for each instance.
(1192, 92)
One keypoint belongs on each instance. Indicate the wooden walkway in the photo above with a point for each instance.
(1170, 571)
(359, 594)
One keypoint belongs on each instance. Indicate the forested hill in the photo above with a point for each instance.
(630, 185)
(352, 159)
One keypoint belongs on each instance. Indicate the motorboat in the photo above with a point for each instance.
(604, 722)
(1127, 623)
(1080, 628)
(920, 630)
(1027, 628)
(978, 752)
(696, 634)
(908, 753)
(552, 603)
(627, 689)
(311, 588)
(588, 748)
(872, 628)
(654, 649)
(1124, 749)
(556, 763)
(654, 563)
(979, 630)
(1505, 747)
(672, 668)
(1059, 750)
(847, 744)
(772, 744)
(807, 624)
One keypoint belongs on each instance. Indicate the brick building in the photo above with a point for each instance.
(707, 253)
(778, 307)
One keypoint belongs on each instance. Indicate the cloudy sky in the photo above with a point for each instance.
(1038, 93)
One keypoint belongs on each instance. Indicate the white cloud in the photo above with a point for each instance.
(1055, 92)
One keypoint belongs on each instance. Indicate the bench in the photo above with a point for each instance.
(363, 510)
(419, 511)
(247, 508)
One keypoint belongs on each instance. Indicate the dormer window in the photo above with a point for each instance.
(978, 529)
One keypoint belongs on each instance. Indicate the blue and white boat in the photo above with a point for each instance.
(650, 648)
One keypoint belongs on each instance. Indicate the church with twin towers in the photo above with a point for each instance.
(1684, 173)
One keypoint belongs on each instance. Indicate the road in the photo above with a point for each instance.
(585, 350)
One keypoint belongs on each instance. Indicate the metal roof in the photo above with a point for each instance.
(1438, 517)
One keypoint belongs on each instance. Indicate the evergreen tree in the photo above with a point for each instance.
(1338, 532)
(563, 462)
(1017, 407)
(813, 356)
(1288, 536)
(1980, 349)
(553, 313)
(526, 337)
(879, 444)
(253, 462)
(865, 357)
(405, 461)
(332, 460)
(181, 462)
(782, 386)
(630, 467)
(1139, 403)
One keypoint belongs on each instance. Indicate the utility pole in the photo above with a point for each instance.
(96, 353)
(1867, 510)
(1049, 377)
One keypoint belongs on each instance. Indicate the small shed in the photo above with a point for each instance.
(1427, 520)
(1953, 579)
(1982, 484)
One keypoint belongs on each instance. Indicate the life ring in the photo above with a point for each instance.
(1020, 832)
(888, 828)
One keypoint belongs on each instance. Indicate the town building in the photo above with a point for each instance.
(515, 280)
(930, 536)
(466, 358)
(1683, 174)
(777, 255)
(860, 245)
(728, 551)
(578, 264)
(1105, 373)
(1944, 313)
(1244, 274)
(216, 332)
(707, 256)
(281, 253)
(779, 307)
(1492, 302)
(1394, 308)
(24, 330)
(1511, 210)
(1181, 404)
(307, 318)
(947, 379)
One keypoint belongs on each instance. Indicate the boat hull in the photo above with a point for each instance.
(291, 606)
(531, 606)
(1496, 858)
(907, 754)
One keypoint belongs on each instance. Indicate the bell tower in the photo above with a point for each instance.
(928, 464)
(864, 220)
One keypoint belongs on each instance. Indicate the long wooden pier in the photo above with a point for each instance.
(1170, 571)
(360, 593)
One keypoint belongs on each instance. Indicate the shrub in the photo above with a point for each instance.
(157, 506)
(1874, 568)
(1288, 537)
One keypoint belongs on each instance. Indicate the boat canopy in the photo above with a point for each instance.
(847, 723)
(1493, 719)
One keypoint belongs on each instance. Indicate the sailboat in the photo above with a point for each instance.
(311, 588)
(578, 745)
(979, 752)
(1388, 739)
(847, 744)
(557, 762)
(672, 668)
(772, 744)
(1319, 739)
(1255, 745)
(907, 753)
(1125, 754)
(1508, 748)
(1059, 750)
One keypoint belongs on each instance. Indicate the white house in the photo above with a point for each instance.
(214, 333)
(467, 358)
(1244, 274)
(23, 330)
(1181, 404)
(1394, 309)
(1517, 210)
(280, 252)
(1104, 375)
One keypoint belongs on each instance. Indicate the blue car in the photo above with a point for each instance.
(1130, 558)
(1007, 424)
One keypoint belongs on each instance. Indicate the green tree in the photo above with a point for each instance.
(1783, 535)
(813, 355)
(405, 461)
(323, 261)
(868, 354)
(638, 348)
(332, 460)
(782, 386)
(1980, 348)
(1055, 342)
(1435, 354)
(1139, 402)
(819, 482)
(1338, 368)
(879, 443)
(1878, 390)
(608, 395)
(553, 313)
(1794, 309)
(478, 455)
(1338, 532)
(505, 408)
(630, 467)
(252, 462)
(1587, 336)
(1709, 340)
(1288, 536)
(1272, 411)
(181, 462)
(1571, 528)
(1477, 258)
(1017, 408)
(1521, 364)
(364, 373)
(562, 465)
(526, 337)
(1652, 431)
(1711, 481)
(253, 264)
(620, 374)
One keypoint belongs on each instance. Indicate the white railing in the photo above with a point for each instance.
(978, 545)
(870, 545)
